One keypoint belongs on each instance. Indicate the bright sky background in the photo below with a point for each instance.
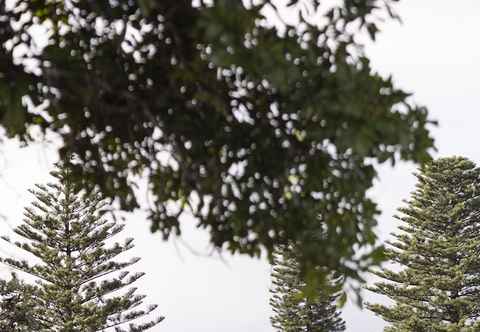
(433, 54)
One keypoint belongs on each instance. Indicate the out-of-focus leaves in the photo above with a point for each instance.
(220, 108)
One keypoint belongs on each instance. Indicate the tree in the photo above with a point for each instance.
(79, 284)
(249, 120)
(437, 287)
(293, 310)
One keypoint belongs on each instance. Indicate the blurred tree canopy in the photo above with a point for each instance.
(256, 116)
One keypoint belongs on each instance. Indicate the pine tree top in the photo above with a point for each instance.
(81, 284)
(293, 311)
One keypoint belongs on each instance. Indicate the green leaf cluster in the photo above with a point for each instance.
(17, 305)
(255, 127)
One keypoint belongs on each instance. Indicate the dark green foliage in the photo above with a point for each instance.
(437, 288)
(255, 128)
(17, 306)
(79, 284)
(293, 311)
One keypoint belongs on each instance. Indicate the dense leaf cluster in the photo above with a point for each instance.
(437, 287)
(80, 286)
(255, 118)
(17, 306)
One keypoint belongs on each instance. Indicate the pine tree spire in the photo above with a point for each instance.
(293, 312)
(436, 284)
(80, 284)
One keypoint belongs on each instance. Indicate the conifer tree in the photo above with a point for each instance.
(81, 286)
(293, 311)
(436, 284)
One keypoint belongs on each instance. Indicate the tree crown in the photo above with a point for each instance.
(252, 122)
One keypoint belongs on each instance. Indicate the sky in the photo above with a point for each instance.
(432, 54)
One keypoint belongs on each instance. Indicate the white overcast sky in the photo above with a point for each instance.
(434, 54)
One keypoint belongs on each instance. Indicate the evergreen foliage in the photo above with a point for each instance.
(437, 288)
(293, 311)
(79, 284)
(17, 306)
